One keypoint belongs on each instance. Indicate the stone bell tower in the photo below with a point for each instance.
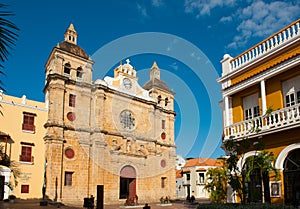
(67, 88)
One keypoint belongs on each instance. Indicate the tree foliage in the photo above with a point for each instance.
(261, 161)
(8, 37)
(13, 165)
(216, 184)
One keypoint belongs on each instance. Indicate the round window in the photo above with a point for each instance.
(71, 116)
(163, 135)
(127, 120)
(163, 163)
(69, 152)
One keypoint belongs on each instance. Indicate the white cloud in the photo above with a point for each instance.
(142, 10)
(261, 19)
(157, 3)
(204, 7)
(226, 19)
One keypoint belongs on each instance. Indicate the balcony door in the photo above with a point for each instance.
(291, 91)
(250, 106)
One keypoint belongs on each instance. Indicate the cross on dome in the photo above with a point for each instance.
(126, 69)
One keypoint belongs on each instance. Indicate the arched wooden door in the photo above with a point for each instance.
(127, 182)
(291, 178)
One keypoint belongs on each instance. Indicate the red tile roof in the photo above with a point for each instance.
(178, 174)
(201, 169)
(202, 162)
(186, 170)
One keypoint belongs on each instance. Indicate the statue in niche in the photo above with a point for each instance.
(151, 148)
(142, 149)
(128, 146)
(115, 145)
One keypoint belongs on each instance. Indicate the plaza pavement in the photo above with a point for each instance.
(35, 204)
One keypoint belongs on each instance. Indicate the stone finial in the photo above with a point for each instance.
(24, 99)
(71, 27)
(154, 66)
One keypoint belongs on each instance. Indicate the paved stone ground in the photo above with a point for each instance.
(35, 204)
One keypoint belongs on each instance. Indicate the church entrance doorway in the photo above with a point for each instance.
(127, 183)
(291, 174)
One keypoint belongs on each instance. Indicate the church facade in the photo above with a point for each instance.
(111, 134)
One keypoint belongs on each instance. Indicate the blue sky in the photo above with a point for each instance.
(187, 38)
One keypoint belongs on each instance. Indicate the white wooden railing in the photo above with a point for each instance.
(276, 40)
(289, 116)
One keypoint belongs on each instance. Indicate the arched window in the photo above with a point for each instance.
(67, 69)
(79, 73)
(159, 99)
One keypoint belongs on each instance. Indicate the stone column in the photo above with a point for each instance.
(263, 96)
(226, 109)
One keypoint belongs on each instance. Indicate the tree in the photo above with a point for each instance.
(261, 162)
(8, 37)
(216, 184)
(236, 151)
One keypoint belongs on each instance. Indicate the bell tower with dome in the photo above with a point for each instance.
(110, 132)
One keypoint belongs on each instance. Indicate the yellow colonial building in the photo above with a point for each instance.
(110, 138)
(21, 137)
(261, 92)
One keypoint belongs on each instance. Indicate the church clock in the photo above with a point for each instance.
(127, 83)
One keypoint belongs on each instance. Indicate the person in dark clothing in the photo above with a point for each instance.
(192, 198)
(146, 206)
(188, 198)
(91, 202)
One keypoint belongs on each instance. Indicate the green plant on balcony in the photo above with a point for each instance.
(269, 111)
(255, 127)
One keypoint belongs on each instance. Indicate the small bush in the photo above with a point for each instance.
(247, 206)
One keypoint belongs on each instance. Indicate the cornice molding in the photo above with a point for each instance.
(263, 76)
(12, 103)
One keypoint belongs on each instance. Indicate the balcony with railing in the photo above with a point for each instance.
(270, 44)
(282, 119)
